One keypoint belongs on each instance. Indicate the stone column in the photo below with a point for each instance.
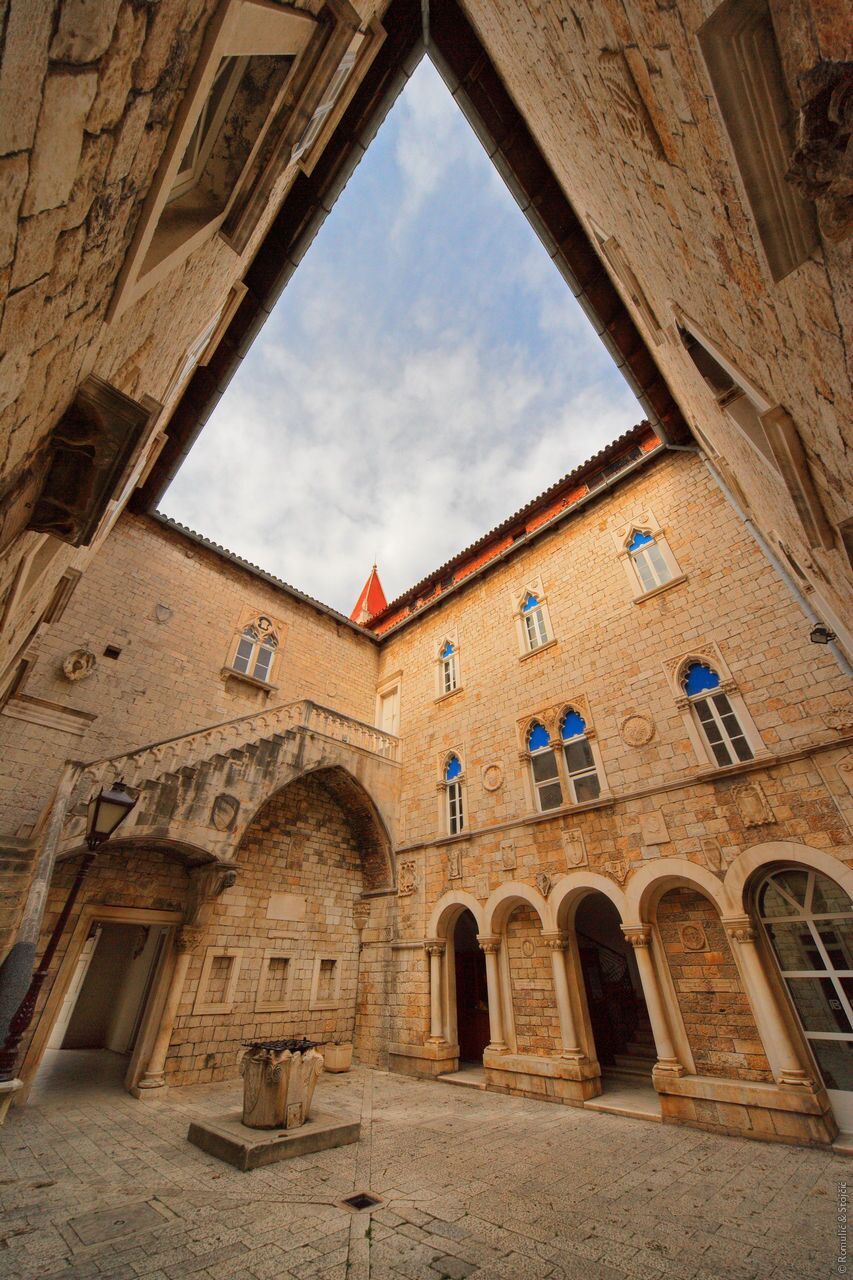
(773, 1029)
(491, 946)
(557, 944)
(153, 1078)
(435, 948)
(640, 939)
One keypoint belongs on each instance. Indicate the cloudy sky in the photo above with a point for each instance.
(425, 373)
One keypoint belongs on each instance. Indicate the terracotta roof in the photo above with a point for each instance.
(371, 601)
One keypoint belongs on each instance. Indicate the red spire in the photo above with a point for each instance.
(371, 601)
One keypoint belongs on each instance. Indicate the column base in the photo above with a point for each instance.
(570, 1081)
(434, 1058)
(8, 1089)
(150, 1088)
(666, 1069)
(749, 1109)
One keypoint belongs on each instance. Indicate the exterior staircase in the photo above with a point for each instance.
(639, 1058)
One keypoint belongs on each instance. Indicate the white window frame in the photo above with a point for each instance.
(622, 535)
(590, 771)
(389, 694)
(534, 631)
(537, 785)
(447, 670)
(257, 646)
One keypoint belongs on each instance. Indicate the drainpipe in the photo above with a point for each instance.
(768, 551)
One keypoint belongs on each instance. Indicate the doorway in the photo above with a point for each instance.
(624, 1043)
(472, 1002)
(99, 1020)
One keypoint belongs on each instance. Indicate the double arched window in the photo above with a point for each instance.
(453, 798)
(715, 715)
(256, 649)
(564, 772)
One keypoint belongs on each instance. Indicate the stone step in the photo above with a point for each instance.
(468, 1078)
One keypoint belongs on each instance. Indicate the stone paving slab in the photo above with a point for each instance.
(473, 1186)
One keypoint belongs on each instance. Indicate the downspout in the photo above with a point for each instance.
(765, 547)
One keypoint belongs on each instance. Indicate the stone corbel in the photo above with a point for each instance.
(207, 882)
(92, 449)
(819, 165)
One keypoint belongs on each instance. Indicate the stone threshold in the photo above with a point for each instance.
(639, 1102)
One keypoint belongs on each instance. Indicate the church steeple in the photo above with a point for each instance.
(371, 601)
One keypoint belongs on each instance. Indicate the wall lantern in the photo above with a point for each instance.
(106, 811)
(821, 634)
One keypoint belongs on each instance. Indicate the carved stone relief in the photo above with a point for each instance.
(637, 730)
(407, 879)
(493, 777)
(693, 937)
(163, 613)
(574, 847)
(753, 805)
(712, 852)
(454, 864)
(543, 883)
(224, 812)
(616, 868)
(509, 860)
(527, 948)
(653, 828)
(79, 664)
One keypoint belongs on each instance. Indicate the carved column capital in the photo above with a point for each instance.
(435, 946)
(638, 935)
(490, 943)
(741, 929)
(206, 882)
(555, 941)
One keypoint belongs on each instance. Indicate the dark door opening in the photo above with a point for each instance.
(624, 1042)
(472, 1003)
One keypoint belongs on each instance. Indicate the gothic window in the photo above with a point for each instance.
(543, 768)
(535, 624)
(453, 799)
(647, 559)
(715, 715)
(449, 668)
(256, 649)
(584, 783)
(808, 919)
(206, 129)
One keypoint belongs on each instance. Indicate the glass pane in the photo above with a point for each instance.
(794, 884)
(772, 903)
(243, 656)
(829, 896)
(658, 563)
(263, 663)
(742, 748)
(795, 946)
(723, 705)
(537, 737)
(837, 937)
(587, 788)
(544, 766)
(550, 796)
(698, 678)
(647, 578)
(818, 1004)
(835, 1059)
(578, 755)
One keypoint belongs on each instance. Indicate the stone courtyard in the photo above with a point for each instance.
(95, 1184)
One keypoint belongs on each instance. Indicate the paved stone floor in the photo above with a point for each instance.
(95, 1184)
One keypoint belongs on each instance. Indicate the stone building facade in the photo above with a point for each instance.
(363, 845)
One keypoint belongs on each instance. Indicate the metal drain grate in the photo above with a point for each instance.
(361, 1200)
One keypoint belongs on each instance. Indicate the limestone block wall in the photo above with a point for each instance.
(537, 1026)
(172, 608)
(717, 1016)
(659, 175)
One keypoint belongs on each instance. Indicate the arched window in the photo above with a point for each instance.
(648, 560)
(543, 767)
(449, 676)
(256, 649)
(715, 714)
(808, 919)
(453, 795)
(535, 626)
(580, 765)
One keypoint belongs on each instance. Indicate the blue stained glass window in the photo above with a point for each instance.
(452, 769)
(447, 650)
(530, 603)
(537, 737)
(573, 725)
(639, 539)
(698, 678)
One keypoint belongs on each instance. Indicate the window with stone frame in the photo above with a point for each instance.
(273, 993)
(715, 715)
(535, 624)
(740, 50)
(648, 559)
(326, 982)
(454, 802)
(544, 770)
(217, 983)
(255, 650)
(448, 668)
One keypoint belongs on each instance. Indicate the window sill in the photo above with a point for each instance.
(531, 653)
(605, 798)
(229, 673)
(460, 835)
(709, 772)
(445, 697)
(656, 591)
